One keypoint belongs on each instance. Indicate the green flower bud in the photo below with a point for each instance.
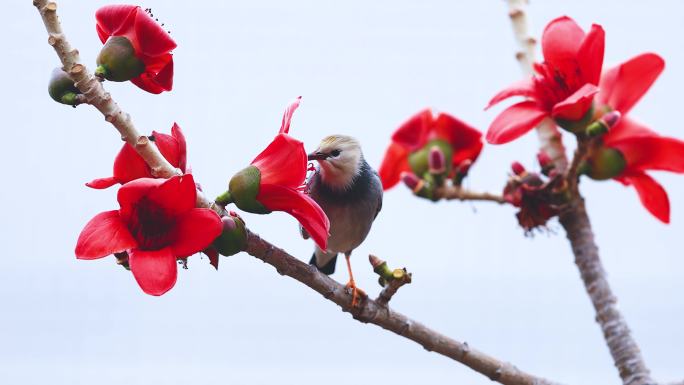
(243, 188)
(117, 61)
(62, 89)
(233, 239)
(605, 163)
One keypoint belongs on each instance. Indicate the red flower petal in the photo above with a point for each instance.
(176, 196)
(130, 193)
(213, 256)
(515, 121)
(575, 106)
(195, 230)
(652, 195)
(182, 147)
(520, 88)
(622, 86)
(287, 116)
(626, 128)
(155, 270)
(413, 133)
(393, 164)
(283, 162)
(128, 165)
(152, 39)
(465, 140)
(590, 54)
(115, 20)
(300, 206)
(652, 153)
(102, 183)
(561, 41)
(156, 82)
(105, 234)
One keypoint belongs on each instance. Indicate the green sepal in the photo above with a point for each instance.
(604, 163)
(244, 187)
(577, 126)
(419, 159)
(117, 61)
(61, 88)
(233, 238)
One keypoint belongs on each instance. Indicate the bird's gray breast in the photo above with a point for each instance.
(351, 212)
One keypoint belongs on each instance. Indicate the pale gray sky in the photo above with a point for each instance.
(362, 68)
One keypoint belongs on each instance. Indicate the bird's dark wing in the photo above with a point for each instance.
(378, 185)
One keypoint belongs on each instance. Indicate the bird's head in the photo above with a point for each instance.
(340, 159)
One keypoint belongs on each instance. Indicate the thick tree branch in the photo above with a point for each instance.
(624, 350)
(575, 221)
(369, 311)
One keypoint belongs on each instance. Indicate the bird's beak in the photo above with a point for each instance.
(317, 156)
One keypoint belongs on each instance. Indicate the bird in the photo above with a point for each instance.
(350, 193)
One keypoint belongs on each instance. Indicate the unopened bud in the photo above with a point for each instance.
(117, 61)
(604, 124)
(61, 88)
(412, 181)
(380, 268)
(546, 163)
(462, 171)
(517, 168)
(436, 161)
(233, 238)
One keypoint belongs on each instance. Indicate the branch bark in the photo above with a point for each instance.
(451, 192)
(624, 350)
(369, 311)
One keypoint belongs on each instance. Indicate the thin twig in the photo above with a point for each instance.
(369, 311)
(392, 287)
(450, 192)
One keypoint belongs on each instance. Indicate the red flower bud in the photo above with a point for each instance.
(412, 181)
(517, 168)
(436, 160)
(544, 159)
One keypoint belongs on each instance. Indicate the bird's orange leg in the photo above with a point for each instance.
(352, 284)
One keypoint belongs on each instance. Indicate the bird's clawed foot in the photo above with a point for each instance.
(357, 293)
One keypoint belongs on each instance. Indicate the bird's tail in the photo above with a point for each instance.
(325, 262)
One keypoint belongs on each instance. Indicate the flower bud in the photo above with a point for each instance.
(412, 181)
(233, 239)
(545, 162)
(61, 88)
(436, 161)
(243, 189)
(517, 168)
(380, 268)
(420, 159)
(605, 123)
(605, 163)
(117, 61)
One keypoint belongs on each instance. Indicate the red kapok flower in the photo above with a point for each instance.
(564, 86)
(629, 149)
(139, 48)
(413, 141)
(157, 223)
(275, 182)
(128, 165)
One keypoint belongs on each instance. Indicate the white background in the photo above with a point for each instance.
(362, 68)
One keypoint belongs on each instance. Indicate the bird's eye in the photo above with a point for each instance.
(335, 153)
